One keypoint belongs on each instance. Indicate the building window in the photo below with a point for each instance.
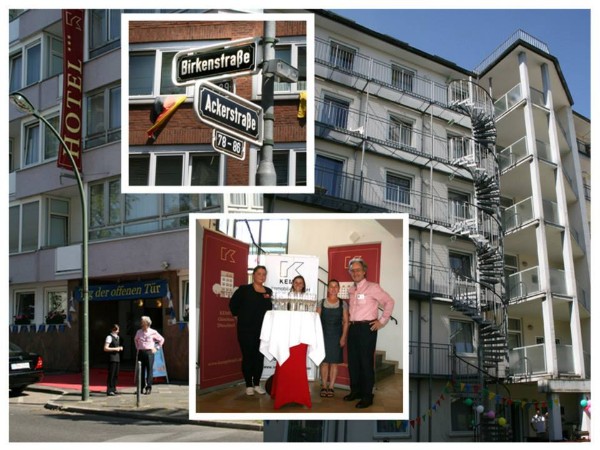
(290, 167)
(305, 431)
(58, 222)
(461, 414)
(25, 305)
(329, 175)
(295, 55)
(56, 301)
(403, 78)
(400, 131)
(113, 214)
(33, 63)
(397, 188)
(460, 264)
(458, 206)
(268, 235)
(514, 333)
(175, 169)
(104, 31)
(55, 56)
(32, 144)
(335, 112)
(342, 56)
(461, 336)
(24, 227)
(16, 72)
(150, 70)
(458, 147)
(103, 114)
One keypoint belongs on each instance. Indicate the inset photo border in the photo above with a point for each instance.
(232, 255)
(217, 103)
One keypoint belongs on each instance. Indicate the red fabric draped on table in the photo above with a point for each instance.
(290, 382)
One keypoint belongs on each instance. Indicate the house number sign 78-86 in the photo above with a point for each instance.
(229, 145)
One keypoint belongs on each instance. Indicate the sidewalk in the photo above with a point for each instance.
(167, 403)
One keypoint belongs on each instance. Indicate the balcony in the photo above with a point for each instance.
(513, 154)
(526, 283)
(551, 214)
(508, 100)
(537, 97)
(338, 122)
(352, 66)
(443, 362)
(530, 361)
(426, 279)
(588, 192)
(517, 215)
(543, 151)
(523, 284)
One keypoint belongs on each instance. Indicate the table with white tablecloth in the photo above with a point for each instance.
(289, 337)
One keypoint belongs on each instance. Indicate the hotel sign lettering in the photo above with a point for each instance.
(213, 62)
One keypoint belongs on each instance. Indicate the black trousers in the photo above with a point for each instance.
(361, 359)
(147, 360)
(252, 358)
(113, 376)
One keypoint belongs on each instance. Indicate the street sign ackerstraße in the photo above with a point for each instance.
(234, 58)
(229, 145)
(228, 112)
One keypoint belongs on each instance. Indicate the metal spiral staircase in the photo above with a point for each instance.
(482, 298)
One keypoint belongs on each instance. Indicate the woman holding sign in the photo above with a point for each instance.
(249, 303)
(147, 342)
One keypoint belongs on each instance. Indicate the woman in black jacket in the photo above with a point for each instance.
(249, 303)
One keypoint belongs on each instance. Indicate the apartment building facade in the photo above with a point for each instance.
(488, 164)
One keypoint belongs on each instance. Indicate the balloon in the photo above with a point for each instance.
(502, 421)
(468, 401)
(479, 409)
(583, 403)
(491, 414)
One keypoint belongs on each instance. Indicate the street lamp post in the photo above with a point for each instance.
(24, 105)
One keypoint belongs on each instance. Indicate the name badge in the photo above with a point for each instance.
(360, 296)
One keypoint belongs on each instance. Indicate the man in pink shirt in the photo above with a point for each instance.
(365, 299)
(147, 341)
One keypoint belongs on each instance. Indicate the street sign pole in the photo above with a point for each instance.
(265, 174)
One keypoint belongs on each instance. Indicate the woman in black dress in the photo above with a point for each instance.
(249, 303)
(334, 319)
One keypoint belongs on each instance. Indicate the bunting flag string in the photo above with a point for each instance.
(452, 387)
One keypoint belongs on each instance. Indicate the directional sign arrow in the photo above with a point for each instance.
(228, 112)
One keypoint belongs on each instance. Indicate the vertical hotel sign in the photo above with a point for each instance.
(71, 115)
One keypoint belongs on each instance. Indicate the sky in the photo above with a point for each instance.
(467, 36)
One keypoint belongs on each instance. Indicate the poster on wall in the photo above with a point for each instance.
(223, 267)
(281, 271)
(338, 259)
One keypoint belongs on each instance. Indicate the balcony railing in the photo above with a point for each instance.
(387, 196)
(508, 100)
(331, 115)
(588, 191)
(518, 35)
(512, 154)
(537, 97)
(551, 214)
(523, 284)
(389, 75)
(426, 278)
(438, 360)
(531, 360)
(517, 215)
(543, 151)
(558, 282)
(583, 147)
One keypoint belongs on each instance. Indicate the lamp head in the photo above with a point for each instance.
(22, 103)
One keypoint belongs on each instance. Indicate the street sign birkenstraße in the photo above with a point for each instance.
(229, 145)
(213, 62)
(228, 112)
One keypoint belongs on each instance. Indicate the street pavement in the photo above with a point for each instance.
(167, 403)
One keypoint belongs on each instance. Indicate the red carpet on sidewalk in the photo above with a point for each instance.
(97, 380)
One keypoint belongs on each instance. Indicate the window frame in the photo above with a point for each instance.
(158, 49)
(16, 310)
(108, 135)
(292, 164)
(340, 102)
(295, 43)
(44, 40)
(403, 71)
(453, 216)
(451, 337)
(337, 177)
(187, 154)
(399, 124)
(21, 205)
(108, 44)
(49, 215)
(399, 176)
(458, 400)
(64, 304)
(334, 59)
(184, 298)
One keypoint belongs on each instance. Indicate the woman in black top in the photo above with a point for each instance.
(249, 303)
